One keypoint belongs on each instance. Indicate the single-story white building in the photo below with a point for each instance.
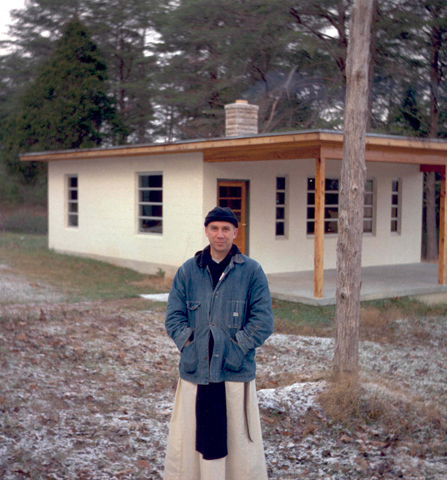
(143, 206)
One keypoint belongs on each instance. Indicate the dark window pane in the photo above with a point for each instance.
(235, 192)
(238, 216)
(395, 185)
(279, 228)
(280, 183)
(367, 212)
(73, 207)
(144, 195)
(280, 213)
(395, 199)
(367, 226)
(156, 181)
(280, 198)
(235, 204)
(331, 184)
(394, 225)
(151, 226)
(72, 220)
(73, 195)
(368, 199)
(331, 212)
(223, 192)
(144, 181)
(223, 203)
(151, 211)
(394, 212)
(369, 186)
(311, 183)
(310, 228)
(331, 198)
(156, 196)
(311, 198)
(330, 227)
(310, 213)
(73, 182)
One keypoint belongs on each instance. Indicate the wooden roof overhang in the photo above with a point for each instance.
(429, 154)
(287, 146)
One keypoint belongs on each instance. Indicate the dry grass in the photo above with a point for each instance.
(417, 424)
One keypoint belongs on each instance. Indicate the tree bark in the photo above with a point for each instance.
(435, 42)
(353, 174)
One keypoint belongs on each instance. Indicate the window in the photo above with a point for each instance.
(331, 207)
(368, 209)
(73, 201)
(281, 185)
(395, 206)
(150, 203)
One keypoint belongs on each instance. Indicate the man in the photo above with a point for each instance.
(219, 311)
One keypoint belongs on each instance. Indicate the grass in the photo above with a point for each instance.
(82, 278)
(79, 278)
(346, 401)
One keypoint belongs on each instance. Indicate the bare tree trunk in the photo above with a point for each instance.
(435, 39)
(353, 173)
(373, 53)
(430, 216)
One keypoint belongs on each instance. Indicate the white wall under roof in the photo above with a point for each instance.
(108, 210)
(296, 252)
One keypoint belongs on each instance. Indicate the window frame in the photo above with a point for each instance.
(326, 206)
(397, 218)
(285, 220)
(372, 206)
(333, 206)
(70, 202)
(140, 203)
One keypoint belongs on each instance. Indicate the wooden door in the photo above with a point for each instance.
(233, 194)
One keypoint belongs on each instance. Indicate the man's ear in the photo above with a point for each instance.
(236, 231)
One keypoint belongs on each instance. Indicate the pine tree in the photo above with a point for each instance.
(67, 105)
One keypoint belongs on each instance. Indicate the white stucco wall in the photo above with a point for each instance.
(108, 210)
(295, 252)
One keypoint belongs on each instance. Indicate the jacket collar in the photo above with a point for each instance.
(202, 256)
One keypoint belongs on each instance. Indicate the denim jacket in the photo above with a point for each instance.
(238, 313)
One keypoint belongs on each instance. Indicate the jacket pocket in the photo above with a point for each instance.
(188, 358)
(234, 357)
(235, 313)
(193, 312)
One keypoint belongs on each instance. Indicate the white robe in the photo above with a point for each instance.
(245, 459)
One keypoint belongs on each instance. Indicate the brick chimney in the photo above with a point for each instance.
(241, 119)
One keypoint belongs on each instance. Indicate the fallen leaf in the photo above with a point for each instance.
(143, 464)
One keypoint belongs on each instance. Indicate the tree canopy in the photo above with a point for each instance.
(174, 65)
(66, 106)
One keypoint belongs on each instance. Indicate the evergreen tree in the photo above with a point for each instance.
(67, 105)
(124, 34)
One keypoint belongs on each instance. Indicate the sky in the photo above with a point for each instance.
(5, 7)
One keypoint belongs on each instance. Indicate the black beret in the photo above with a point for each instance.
(220, 214)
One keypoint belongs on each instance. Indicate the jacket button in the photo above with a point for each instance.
(204, 358)
(212, 325)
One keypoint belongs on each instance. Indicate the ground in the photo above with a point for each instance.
(87, 388)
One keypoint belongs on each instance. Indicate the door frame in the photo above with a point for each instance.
(245, 184)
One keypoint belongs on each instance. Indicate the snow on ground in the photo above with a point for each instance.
(86, 392)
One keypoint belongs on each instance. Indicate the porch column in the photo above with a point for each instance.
(319, 227)
(442, 260)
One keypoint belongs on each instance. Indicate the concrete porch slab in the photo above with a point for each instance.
(419, 280)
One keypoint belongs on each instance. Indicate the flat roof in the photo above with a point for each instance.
(274, 146)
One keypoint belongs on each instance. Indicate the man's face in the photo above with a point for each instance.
(221, 236)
